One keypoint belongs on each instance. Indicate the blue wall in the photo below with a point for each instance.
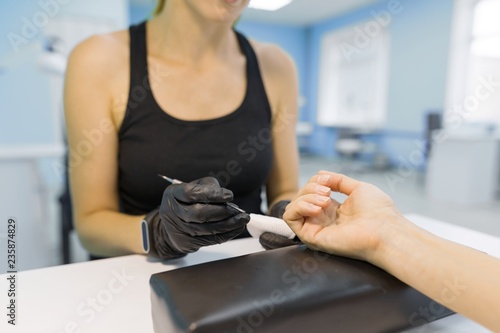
(25, 115)
(419, 66)
(420, 37)
(138, 13)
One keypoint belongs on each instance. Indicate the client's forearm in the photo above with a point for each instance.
(109, 233)
(461, 278)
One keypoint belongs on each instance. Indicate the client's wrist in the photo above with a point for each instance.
(392, 236)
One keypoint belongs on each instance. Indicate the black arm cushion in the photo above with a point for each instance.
(287, 290)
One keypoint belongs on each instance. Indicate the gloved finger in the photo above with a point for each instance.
(202, 212)
(205, 190)
(189, 244)
(213, 228)
(279, 208)
(271, 241)
(218, 238)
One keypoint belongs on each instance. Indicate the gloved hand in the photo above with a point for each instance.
(271, 241)
(193, 215)
(278, 209)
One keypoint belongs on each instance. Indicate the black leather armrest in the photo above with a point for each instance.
(286, 290)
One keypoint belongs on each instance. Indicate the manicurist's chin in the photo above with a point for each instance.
(233, 2)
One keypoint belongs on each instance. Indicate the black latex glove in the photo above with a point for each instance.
(270, 240)
(278, 209)
(193, 215)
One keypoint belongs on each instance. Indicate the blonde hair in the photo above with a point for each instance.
(159, 7)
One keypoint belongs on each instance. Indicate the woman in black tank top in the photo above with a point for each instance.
(202, 101)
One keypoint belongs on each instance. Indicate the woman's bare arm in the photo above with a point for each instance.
(461, 278)
(368, 226)
(280, 78)
(93, 147)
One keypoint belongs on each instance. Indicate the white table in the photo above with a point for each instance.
(59, 299)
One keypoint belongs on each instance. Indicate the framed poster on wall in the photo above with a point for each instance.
(354, 70)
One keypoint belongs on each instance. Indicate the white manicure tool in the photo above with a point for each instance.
(260, 223)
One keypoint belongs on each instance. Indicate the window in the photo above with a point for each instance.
(353, 77)
(474, 79)
(484, 60)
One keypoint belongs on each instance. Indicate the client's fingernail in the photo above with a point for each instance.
(321, 198)
(313, 207)
(323, 179)
(322, 189)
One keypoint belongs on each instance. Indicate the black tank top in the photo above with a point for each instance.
(236, 148)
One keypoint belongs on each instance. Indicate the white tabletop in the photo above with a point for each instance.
(30, 152)
(113, 295)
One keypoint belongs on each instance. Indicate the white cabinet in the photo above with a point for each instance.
(464, 169)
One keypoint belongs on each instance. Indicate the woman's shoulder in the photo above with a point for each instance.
(278, 72)
(105, 53)
(273, 59)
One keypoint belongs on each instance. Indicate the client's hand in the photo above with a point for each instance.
(193, 215)
(353, 228)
